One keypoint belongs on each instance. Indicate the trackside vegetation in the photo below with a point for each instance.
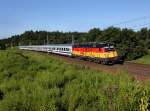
(144, 60)
(36, 82)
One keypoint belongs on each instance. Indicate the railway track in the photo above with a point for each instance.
(138, 71)
(141, 70)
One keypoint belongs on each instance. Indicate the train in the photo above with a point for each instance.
(103, 53)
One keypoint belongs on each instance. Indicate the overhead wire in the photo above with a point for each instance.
(132, 20)
(137, 27)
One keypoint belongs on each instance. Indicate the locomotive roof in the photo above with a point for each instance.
(92, 44)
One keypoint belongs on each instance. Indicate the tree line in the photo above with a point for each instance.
(132, 44)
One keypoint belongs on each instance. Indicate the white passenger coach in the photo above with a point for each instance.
(63, 49)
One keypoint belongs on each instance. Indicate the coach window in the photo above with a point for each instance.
(67, 49)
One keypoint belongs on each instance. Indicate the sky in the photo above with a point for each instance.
(18, 16)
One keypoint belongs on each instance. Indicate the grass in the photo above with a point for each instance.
(33, 82)
(144, 60)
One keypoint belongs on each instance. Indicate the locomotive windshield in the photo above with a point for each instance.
(109, 47)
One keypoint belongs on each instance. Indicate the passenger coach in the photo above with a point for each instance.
(63, 49)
